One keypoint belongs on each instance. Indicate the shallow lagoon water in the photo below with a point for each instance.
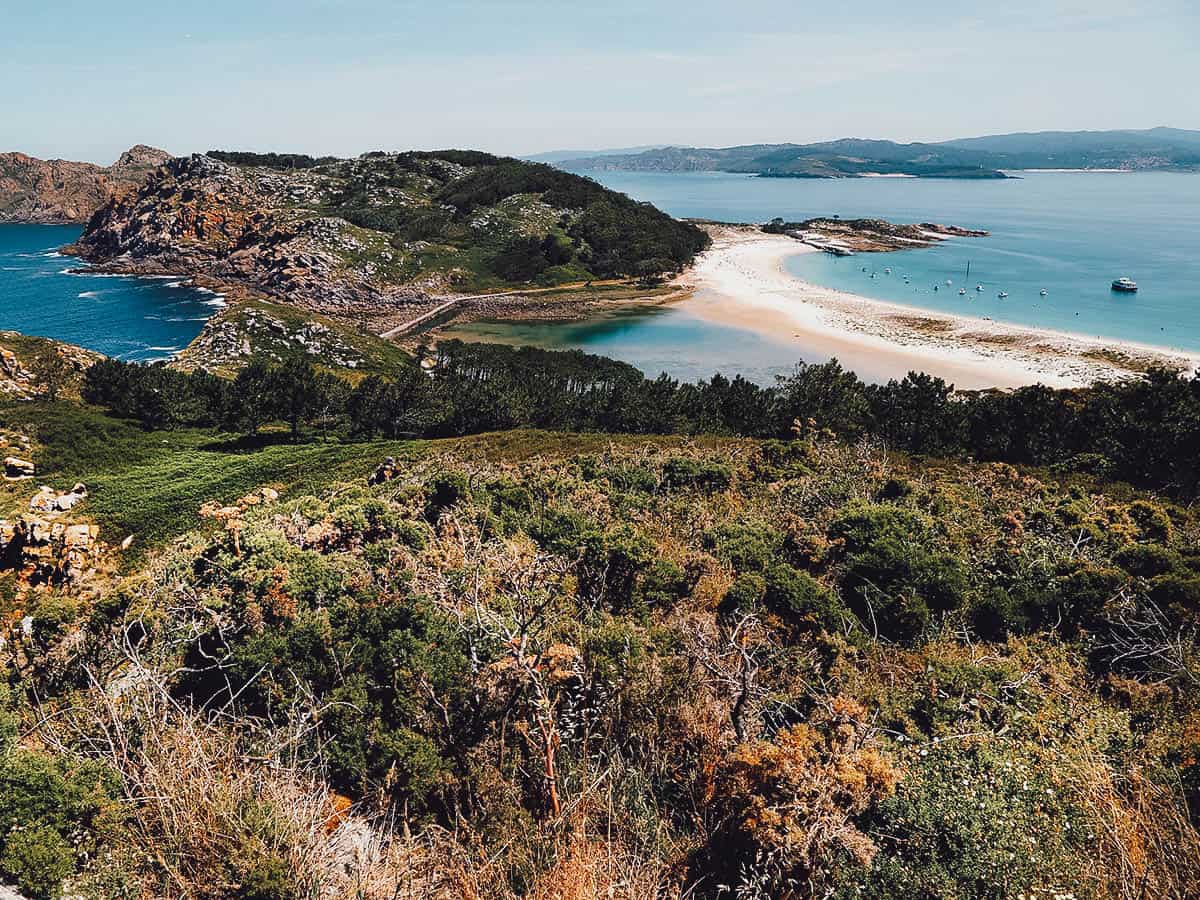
(661, 339)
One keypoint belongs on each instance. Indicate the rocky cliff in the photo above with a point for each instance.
(381, 231)
(58, 192)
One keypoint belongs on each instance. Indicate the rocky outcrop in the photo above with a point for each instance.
(866, 235)
(381, 234)
(48, 500)
(16, 468)
(19, 364)
(241, 225)
(43, 551)
(59, 192)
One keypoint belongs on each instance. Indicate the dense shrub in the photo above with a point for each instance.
(802, 600)
(50, 808)
(966, 819)
(894, 573)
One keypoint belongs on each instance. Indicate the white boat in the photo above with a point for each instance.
(1002, 294)
(1125, 286)
(962, 292)
(1044, 292)
(979, 287)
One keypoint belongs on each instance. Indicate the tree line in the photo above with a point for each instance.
(1144, 430)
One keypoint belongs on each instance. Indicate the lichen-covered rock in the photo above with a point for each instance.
(42, 551)
(49, 500)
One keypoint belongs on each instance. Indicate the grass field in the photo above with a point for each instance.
(151, 484)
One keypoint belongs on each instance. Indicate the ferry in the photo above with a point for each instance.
(1125, 286)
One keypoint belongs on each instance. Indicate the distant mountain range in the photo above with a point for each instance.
(991, 156)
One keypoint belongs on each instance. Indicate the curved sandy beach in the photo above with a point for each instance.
(741, 281)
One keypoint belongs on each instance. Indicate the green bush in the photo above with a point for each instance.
(896, 577)
(1179, 597)
(744, 595)
(802, 600)
(44, 801)
(974, 822)
(1077, 599)
(621, 572)
(1152, 521)
(748, 548)
(442, 492)
(1147, 560)
(684, 471)
(38, 859)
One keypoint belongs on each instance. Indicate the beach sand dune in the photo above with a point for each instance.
(742, 282)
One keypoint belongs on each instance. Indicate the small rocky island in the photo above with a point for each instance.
(845, 236)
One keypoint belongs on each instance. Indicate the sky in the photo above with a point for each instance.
(85, 80)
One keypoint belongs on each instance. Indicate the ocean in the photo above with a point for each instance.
(128, 318)
(1069, 234)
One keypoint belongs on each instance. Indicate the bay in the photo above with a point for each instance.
(46, 294)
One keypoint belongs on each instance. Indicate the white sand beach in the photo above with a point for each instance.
(741, 281)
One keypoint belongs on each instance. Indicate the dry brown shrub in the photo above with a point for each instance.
(594, 869)
(791, 801)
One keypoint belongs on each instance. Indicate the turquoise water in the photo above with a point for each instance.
(128, 318)
(658, 340)
(1070, 234)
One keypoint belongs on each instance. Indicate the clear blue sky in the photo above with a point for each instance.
(84, 79)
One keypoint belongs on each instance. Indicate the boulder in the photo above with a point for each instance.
(43, 551)
(48, 500)
(15, 467)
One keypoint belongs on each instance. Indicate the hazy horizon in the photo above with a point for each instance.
(523, 77)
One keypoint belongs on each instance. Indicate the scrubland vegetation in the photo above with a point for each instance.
(829, 640)
(507, 220)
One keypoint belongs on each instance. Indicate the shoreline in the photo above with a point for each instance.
(741, 281)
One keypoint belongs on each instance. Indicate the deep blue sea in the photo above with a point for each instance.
(128, 318)
(1069, 234)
